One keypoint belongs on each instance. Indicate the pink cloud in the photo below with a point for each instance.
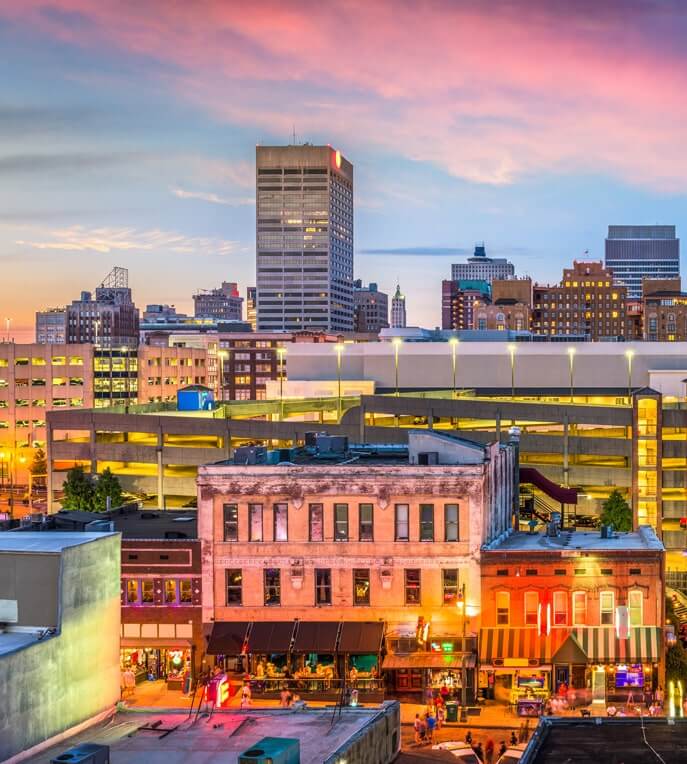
(490, 92)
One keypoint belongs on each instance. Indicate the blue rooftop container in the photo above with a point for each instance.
(195, 398)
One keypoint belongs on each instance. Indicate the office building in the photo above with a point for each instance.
(251, 305)
(503, 315)
(481, 267)
(637, 251)
(371, 308)
(223, 304)
(458, 299)
(304, 237)
(51, 326)
(398, 309)
(664, 309)
(162, 314)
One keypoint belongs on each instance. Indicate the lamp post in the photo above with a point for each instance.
(222, 354)
(397, 341)
(338, 349)
(511, 350)
(571, 359)
(461, 604)
(453, 342)
(629, 354)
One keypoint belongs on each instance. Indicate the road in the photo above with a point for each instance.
(417, 753)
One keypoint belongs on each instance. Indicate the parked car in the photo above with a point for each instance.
(512, 755)
(461, 751)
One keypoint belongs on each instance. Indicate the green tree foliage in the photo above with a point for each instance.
(78, 490)
(676, 663)
(107, 485)
(617, 512)
(671, 617)
(39, 467)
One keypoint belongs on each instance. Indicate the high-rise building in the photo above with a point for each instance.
(636, 251)
(223, 304)
(398, 309)
(251, 301)
(479, 266)
(51, 326)
(371, 307)
(458, 300)
(304, 238)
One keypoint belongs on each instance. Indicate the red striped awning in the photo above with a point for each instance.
(498, 646)
(600, 643)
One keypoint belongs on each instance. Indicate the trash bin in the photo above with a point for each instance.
(451, 712)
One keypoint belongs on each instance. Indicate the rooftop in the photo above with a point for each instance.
(644, 539)
(10, 641)
(49, 543)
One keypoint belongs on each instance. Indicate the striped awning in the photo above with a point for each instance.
(501, 646)
(601, 645)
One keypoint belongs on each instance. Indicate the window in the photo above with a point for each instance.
(170, 591)
(451, 522)
(235, 586)
(255, 522)
(231, 522)
(341, 522)
(426, 522)
(579, 608)
(366, 529)
(316, 522)
(449, 579)
(401, 522)
(272, 586)
(412, 586)
(361, 586)
(531, 608)
(502, 608)
(185, 591)
(323, 586)
(132, 591)
(147, 592)
(281, 522)
(502, 572)
(606, 608)
(560, 608)
(635, 601)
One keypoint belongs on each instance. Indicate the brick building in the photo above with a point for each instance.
(458, 299)
(665, 310)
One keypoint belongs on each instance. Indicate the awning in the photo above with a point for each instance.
(157, 642)
(429, 661)
(363, 637)
(570, 652)
(601, 645)
(316, 637)
(270, 637)
(506, 646)
(227, 638)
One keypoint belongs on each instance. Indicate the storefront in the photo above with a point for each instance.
(152, 660)
(227, 643)
(359, 650)
(421, 671)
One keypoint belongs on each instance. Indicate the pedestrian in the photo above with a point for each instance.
(660, 697)
(513, 738)
(441, 716)
(502, 748)
(417, 726)
(478, 751)
(489, 752)
(430, 723)
(444, 692)
(468, 737)
(245, 696)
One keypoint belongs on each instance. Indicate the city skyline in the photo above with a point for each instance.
(125, 142)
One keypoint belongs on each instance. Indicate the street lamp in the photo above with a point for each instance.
(629, 354)
(397, 342)
(222, 354)
(511, 350)
(338, 349)
(571, 358)
(453, 342)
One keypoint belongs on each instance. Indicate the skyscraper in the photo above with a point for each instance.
(398, 309)
(304, 237)
(481, 267)
(223, 304)
(250, 307)
(635, 251)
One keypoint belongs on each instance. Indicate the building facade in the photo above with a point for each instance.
(304, 239)
(458, 300)
(51, 326)
(503, 315)
(223, 304)
(664, 309)
(251, 307)
(480, 267)
(637, 251)
(399, 319)
(371, 308)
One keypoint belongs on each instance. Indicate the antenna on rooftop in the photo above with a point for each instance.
(117, 278)
(294, 134)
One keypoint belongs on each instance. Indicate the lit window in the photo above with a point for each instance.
(502, 608)
(560, 608)
(401, 522)
(606, 608)
(531, 608)
(579, 608)
(635, 602)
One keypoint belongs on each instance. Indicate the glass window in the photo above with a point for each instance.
(341, 522)
(450, 585)
(402, 524)
(281, 522)
(502, 608)
(451, 522)
(147, 592)
(412, 586)
(323, 586)
(579, 608)
(272, 586)
(531, 608)
(38, 361)
(635, 601)
(231, 522)
(234, 586)
(170, 591)
(186, 591)
(560, 608)
(366, 530)
(131, 591)
(255, 522)
(316, 522)
(426, 522)
(606, 608)
(361, 586)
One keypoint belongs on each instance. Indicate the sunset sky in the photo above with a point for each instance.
(128, 132)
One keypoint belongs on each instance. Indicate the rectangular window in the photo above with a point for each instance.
(170, 591)
(579, 608)
(361, 586)
(316, 522)
(449, 578)
(281, 522)
(132, 591)
(272, 586)
(341, 522)
(412, 586)
(234, 586)
(502, 608)
(323, 586)
(606, 608)
(147, 592)
(531, 608)
(255, 522)
(401, 522)
(231, 522)
(366, 526)
(426, 522)
(185, 591)
(560, 608)
(451, 522)
(635, 600)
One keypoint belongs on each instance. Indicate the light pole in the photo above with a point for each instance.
(511, 350)
(571, 359)
(453, 342)
(397, 341)
(461, 604)
(338, 349)
(222, 354)
(629, 354)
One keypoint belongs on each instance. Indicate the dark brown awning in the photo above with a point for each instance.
(358, 638)
(270, 637)
(227, 638)
(316, 637)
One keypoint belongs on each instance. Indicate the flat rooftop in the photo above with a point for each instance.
(644, 539)
(221, 738)
(10, 641)
(50, 543)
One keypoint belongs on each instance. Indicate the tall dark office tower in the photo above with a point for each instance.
(304, 238)
(636, 251)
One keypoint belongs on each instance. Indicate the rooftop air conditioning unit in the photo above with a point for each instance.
(86, 753)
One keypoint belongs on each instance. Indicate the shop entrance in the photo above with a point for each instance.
(562, 677)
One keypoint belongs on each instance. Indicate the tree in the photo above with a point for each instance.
(107, 485)
(617, 512)
(39, 467)
(78, 490)
(676, 663)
